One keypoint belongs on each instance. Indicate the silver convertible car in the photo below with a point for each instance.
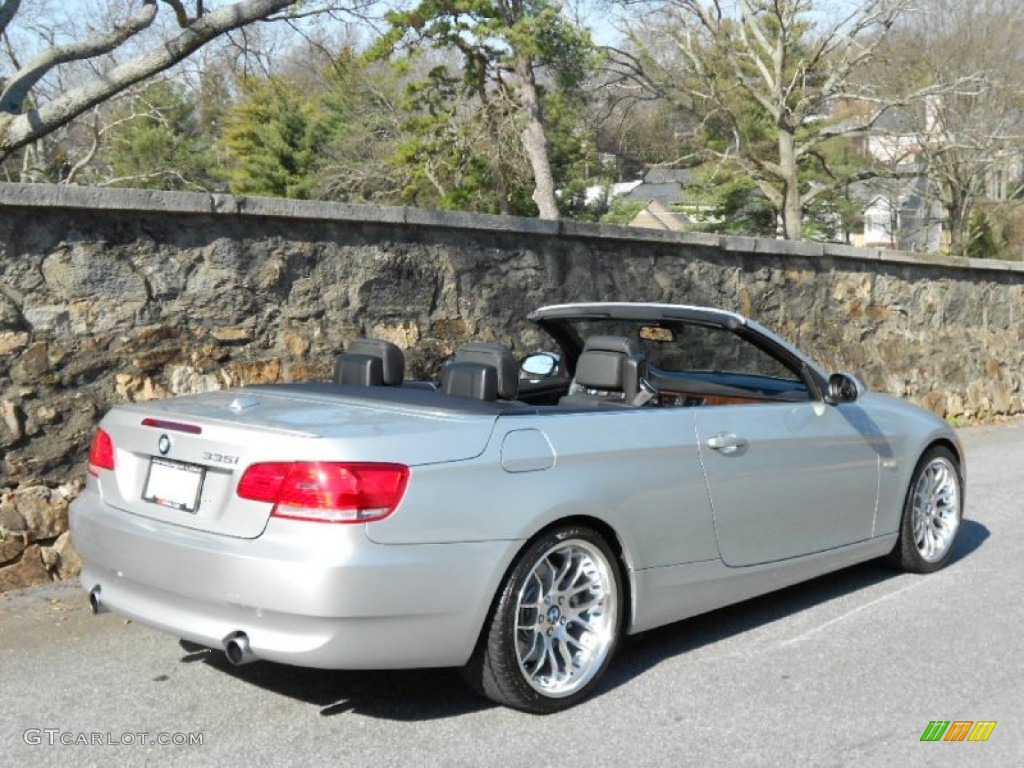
(515, 519)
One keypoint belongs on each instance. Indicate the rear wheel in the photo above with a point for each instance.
(555, 624)
(931, 514)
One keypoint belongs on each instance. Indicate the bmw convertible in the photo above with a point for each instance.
(516, 517)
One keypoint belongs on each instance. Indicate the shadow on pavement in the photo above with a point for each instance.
(404, 695)
(972, 536)
(416, 695)
(644, 651)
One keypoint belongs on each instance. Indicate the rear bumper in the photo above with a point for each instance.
(308, 594)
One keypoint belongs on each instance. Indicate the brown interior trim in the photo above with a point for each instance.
(697, 398)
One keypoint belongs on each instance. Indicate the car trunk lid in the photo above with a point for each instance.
(179, 461)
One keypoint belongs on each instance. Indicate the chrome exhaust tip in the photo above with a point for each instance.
(95, 603)
(236, 648)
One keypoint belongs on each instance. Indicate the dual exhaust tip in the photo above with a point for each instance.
(236, 645)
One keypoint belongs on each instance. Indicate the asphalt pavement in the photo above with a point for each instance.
(846, 670)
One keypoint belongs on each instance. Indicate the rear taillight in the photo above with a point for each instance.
(101, 454)
(327, 492)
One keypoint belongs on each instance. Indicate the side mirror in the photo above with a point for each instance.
(844, 388)
(540, 365)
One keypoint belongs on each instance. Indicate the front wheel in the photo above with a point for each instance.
(555, 624)
(931, 514)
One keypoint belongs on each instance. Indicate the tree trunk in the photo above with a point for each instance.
(535, 142)
(792, 212)
(955, 216)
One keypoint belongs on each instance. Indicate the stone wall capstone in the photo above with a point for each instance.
(109, 296)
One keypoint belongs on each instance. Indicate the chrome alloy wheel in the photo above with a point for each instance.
(936, 509)
(565, 620)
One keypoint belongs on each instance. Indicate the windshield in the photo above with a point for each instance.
(675, 346)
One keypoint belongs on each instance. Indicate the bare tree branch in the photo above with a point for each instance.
(7, 10)
(17, 90)
(87, 158)
(749, 63)
(9, 50)
(163, 172)
(180, 13)
(966, 140)
(18, 130)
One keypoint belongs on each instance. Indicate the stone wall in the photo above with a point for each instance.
(115, 295)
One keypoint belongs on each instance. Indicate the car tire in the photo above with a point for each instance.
(932, 514)
(554, 625)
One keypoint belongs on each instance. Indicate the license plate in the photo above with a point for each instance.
(174, 484)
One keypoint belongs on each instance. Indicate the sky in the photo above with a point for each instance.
(597, 14)
(601, 16)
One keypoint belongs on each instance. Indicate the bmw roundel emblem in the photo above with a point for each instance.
(164, 445)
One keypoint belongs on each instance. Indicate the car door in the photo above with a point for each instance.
(786, 479)
(787, 474)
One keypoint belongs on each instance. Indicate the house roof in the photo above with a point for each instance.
(666, 194)
(668, 176)
(665, 185)
(657, 216)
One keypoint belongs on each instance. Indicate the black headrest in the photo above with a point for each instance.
(619, 344)
(499, 357)
(477, 381)
(392, 363)
(610, 364)
(359, 370)
(598, 369)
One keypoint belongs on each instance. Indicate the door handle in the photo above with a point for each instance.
(727, 442)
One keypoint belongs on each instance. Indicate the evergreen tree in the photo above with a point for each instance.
(155, 142)
(272, 137)
(508, 50)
